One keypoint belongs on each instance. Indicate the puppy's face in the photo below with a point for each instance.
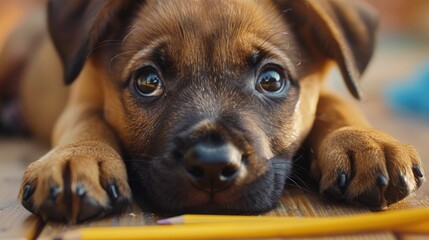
(211, 100)
(210, 107)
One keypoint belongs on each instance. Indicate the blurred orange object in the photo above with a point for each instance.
(12, 12)
(409, 16)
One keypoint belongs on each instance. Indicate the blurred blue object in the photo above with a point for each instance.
(411, 97)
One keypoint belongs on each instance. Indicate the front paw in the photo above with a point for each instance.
(367, 166)
(76, 183)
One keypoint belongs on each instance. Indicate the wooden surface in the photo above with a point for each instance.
(392, 61)
(15, 221)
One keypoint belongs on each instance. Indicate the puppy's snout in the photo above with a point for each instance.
(212, 165)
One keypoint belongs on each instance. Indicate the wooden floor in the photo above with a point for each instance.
(393, 61)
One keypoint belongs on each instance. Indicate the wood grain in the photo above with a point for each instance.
(15, 221)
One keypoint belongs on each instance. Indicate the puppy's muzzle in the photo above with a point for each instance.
(212, 164)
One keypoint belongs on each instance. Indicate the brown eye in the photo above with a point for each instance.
(271, 81)
(149, 84)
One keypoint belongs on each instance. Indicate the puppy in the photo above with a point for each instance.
(207, 102)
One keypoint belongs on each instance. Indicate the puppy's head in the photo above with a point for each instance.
(212, 99)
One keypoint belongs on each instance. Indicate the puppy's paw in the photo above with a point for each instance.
(76, 183)
(367, 166)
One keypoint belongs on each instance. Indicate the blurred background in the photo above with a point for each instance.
(12, 12)
(395, 86)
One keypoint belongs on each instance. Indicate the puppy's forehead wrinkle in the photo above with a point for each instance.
(213, 34)
(210, 107)
(283, 51)
(144, 55)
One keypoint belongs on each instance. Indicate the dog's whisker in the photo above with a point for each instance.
(298, 187)
(104, 43)
(302, 168)
(300, 59)
(118, 55)
(272, 35)
(284, 170)
(287, 10)
(288, 46)
(304, 187)
(303, 184)
(133, 29)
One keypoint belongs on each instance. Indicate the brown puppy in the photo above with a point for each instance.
(208, 102)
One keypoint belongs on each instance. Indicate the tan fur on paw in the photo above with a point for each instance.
(76, 183)
(367, 166)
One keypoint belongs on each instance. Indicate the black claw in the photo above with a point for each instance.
(399, 189)
(382, 181)
(28, 205)
(342, 181)
(27, 192)
(418, 174)
(80, 191)
(54, 191)
(27, 201)
(113, 191)
(337, 191)
(417, 171)
(419, 181)
(120, 204)
(88, 209)
(374, 197)
(403, 180)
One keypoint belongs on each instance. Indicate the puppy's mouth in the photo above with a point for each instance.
(172, 188)
(213, 167)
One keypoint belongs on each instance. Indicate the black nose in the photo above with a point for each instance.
(212, 165)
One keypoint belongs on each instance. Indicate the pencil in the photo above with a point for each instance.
(417, 228)
(204, 219)
(409, 221)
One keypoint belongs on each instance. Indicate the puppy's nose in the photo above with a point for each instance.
(212, 166)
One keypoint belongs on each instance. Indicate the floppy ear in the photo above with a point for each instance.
(339, 29)
(77, 26)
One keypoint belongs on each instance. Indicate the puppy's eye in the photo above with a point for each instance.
(149, 84)
(271, 81)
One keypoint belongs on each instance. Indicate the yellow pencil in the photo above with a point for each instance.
(411, 220)
(417, 228)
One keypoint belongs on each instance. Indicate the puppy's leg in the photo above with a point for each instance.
(352, 161)
(83, 176)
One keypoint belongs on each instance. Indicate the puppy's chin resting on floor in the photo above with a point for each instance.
(208, 101)
(169, 190)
